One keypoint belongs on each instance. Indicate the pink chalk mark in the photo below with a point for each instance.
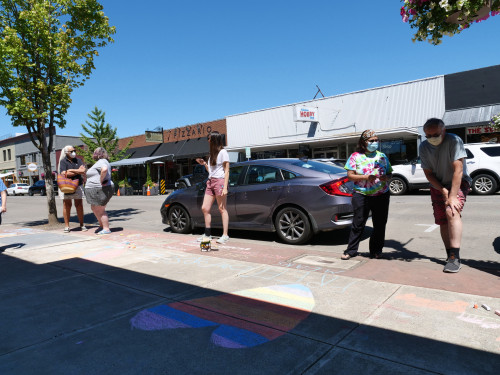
(412, 300)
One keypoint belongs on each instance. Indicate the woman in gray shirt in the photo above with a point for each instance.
(99, 188)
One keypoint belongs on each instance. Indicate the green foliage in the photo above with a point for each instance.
(124, 183)
(435, 18)
(100, 134)
(47, 49)
(149, 182)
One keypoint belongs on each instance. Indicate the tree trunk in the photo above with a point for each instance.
(49, 185)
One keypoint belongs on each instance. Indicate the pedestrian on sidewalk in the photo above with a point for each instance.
(3, 199)
(72, 167)
(99, 188)
(442, 157)
(218, 180)
(370, 171)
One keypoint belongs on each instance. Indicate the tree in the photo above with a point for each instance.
(47, 49)
(435, 18)
(100, 135)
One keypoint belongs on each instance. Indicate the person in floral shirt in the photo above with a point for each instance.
(370, 171)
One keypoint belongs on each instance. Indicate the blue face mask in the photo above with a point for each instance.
(372, 146)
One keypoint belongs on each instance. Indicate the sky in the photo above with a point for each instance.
(178, 63)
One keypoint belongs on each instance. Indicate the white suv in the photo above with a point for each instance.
(483, 165)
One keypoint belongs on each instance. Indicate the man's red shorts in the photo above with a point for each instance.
(438, 202)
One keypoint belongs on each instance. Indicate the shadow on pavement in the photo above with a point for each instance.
(76, 316)
(401, 252)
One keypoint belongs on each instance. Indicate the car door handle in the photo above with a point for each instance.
(471, 162)
(273, 188)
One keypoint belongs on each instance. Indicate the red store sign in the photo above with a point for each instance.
(480, 130)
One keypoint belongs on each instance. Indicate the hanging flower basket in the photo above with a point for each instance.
(434, 18)
(495, 122)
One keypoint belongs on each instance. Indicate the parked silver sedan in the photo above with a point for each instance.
(294, 197)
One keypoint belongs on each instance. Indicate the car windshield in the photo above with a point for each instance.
(318, 166)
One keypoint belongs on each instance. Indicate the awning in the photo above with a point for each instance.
(189, 148)
(472, 115)
(6, 174)
(138, 161)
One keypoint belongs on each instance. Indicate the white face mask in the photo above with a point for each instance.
(73, 154)
(435, 141)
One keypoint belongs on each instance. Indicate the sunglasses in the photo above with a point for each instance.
(433, 136)
(373, 141)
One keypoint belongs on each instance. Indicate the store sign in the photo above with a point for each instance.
(302, 113)
(32, 167)
(152, 136)
(480, 130)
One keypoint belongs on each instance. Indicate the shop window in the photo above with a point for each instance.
(399, 151)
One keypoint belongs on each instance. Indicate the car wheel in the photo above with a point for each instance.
(30, 193)
(397, 186)
(182, 185)
(484, 184)
(293, 226)
(179, 219)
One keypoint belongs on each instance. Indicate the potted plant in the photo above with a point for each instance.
(125, 187)
(434, 18)
(153, 186)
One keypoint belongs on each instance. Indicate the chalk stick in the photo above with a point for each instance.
(497, 312)
(485, 306)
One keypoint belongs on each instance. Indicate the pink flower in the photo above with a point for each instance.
(405, 18)
(412, 11)
(483, 18)
(402, 11)
(495, 12)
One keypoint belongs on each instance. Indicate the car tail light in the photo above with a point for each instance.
(337, 187)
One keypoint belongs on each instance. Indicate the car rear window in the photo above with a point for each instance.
(491, 151)
(22, 185)
(318, 166)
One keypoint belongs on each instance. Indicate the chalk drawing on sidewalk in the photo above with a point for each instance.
(431, 227)
(310, 278)
(481, 321)
(412, 300)
(243, 319)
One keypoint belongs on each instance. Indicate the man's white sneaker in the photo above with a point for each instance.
(223, 239)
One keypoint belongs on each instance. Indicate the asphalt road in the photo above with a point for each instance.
(410, 230)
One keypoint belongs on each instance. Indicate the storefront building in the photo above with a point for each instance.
(330, 127)
(472, 99)
(170, 154)
(22, 161)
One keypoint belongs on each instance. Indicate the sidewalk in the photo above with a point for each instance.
(152, 303)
